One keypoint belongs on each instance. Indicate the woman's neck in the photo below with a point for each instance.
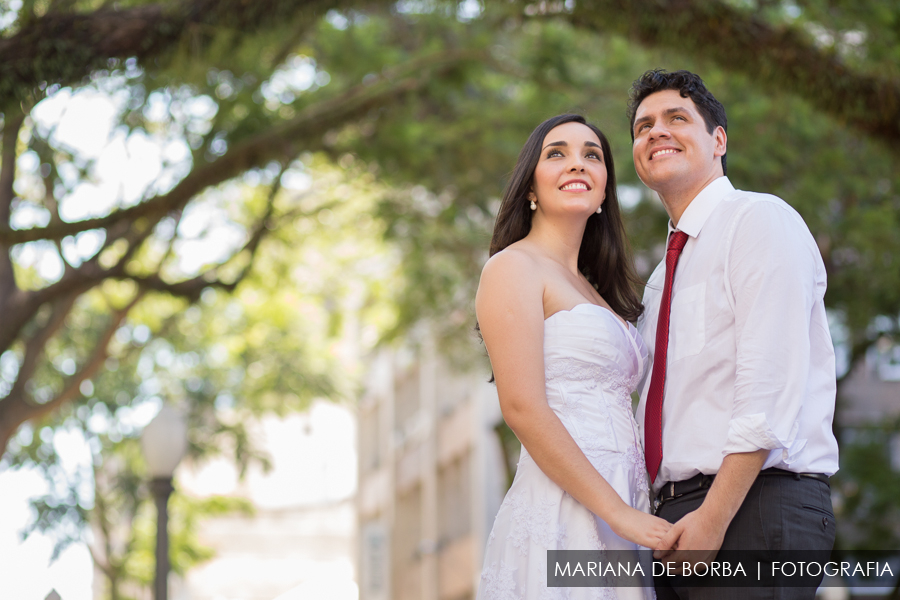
(561, 240)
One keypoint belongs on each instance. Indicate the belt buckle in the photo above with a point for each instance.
(661, 497)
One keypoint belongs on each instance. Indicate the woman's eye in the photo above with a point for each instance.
(553, 153)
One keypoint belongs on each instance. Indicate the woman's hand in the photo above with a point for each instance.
(639, 527)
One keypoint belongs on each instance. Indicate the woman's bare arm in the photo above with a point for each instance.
(510, 309)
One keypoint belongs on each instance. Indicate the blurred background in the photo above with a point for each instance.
(271, 217)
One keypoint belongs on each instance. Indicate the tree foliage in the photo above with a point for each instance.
(868, 497)
(838, 56)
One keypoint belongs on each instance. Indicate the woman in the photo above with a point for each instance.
(553, 307)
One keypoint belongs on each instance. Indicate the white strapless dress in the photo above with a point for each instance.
(593, 362)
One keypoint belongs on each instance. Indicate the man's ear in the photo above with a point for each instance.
(721, 141)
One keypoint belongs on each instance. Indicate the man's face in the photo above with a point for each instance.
(673, 151)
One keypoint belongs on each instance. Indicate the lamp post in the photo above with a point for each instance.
(164, 441)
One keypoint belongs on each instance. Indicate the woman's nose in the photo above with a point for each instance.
(577, 164)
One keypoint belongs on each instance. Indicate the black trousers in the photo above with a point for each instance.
(780, 512)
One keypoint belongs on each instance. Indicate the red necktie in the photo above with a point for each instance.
(653, 411)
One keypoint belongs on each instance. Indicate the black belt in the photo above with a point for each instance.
(676, 489)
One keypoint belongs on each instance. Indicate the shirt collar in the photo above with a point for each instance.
(698, 211)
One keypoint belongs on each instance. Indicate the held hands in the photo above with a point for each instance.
(698, 536)
(639, 527)
(695, 538)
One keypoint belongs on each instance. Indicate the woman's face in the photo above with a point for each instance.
(570, 176)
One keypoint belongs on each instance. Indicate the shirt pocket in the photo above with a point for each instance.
(687, 325)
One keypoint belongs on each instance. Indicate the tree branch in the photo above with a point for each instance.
(301, 133)
(104, 568)
(782, 58)
(13, 123)
(15, 410)
(64, 48)
(170, 250)
(265, 223)
(47, 156)
(35, 345)
(191, 289)
(24, 306)
(305, 132)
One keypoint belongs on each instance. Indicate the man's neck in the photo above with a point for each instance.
(677, 198)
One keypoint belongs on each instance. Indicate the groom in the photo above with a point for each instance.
(736, 412)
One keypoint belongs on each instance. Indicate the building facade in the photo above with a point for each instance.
(431, 477)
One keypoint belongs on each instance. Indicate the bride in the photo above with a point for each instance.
(554, 306)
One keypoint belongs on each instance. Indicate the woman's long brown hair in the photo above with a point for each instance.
(605, 256)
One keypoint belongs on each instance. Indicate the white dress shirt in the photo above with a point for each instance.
(750, 361)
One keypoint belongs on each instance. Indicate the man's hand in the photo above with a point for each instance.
(702, 532)
(695, 538)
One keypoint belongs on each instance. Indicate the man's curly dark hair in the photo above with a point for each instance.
(689, 85)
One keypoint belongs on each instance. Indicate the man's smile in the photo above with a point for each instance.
(663, 152)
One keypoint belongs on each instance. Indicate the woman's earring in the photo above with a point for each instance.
(532, 197)
(599, 209)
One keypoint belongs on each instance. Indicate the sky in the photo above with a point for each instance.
(125, 165)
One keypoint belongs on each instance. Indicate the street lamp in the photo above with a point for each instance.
(164, 441)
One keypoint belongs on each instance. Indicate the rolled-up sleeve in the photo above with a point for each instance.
(771, 281)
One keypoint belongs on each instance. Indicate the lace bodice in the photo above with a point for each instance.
(588, 347)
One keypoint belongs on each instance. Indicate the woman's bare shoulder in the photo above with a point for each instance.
(511, 280)
(516, 260)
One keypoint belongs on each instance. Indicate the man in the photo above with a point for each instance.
(737, 410)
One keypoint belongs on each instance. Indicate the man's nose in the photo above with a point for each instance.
(658, 130)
